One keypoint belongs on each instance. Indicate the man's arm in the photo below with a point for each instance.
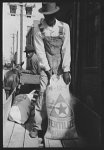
(66, 55)
(66, 50)
(40, 50)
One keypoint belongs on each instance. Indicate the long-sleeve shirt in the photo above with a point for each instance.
(34, 66)
(52, 31)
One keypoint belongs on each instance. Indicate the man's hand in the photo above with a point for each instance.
(49, 74)
(66, 77)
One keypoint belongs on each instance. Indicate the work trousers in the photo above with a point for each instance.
(40, 106)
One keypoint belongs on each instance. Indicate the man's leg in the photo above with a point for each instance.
(40, 104)
(35, 65)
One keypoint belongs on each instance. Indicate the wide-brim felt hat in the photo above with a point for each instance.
(49, 8)
(29, 49)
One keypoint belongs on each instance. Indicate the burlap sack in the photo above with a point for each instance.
(20, 110)
(60, 113)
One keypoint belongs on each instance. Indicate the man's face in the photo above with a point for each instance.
(50, 17)
(29, 54)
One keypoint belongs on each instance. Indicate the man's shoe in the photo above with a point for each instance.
(33, 133)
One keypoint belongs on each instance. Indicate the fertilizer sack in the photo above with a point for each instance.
(60, 113)
(20, 110)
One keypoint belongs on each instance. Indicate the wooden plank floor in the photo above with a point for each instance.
(7, 132)
(28, 141)
(52, 143)
(16, 135)
(7, 107)
(75, 143)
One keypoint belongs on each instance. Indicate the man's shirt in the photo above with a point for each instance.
(52, 32)
(34, 67)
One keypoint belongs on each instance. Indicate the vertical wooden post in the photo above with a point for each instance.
(13, 45)
(21, 32)
(17, 48)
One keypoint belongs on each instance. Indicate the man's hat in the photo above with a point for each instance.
(29, 49)
(49, 8)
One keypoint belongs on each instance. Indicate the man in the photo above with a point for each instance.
(52, 44)
(34, 63)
